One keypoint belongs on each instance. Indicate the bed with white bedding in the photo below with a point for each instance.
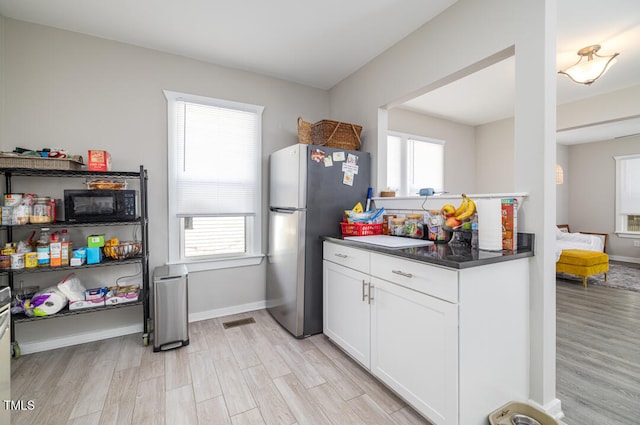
(586, 241)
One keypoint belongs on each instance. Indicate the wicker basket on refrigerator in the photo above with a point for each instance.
(334, 134)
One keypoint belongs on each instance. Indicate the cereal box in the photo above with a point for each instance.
(510, 224)
(99, 161)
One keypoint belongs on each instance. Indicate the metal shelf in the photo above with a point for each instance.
(17, 318)
(69, 173)
(143, 259)
(137, 221)
(107, 262)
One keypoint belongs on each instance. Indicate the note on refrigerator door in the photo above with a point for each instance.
(349, 168)
(347, 178)
(338, 156)
(328, 162)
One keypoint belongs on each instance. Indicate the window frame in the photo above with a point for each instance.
(620, 221)
(405, 189)
(175, 225)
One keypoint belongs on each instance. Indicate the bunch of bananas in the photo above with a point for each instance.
(466, 209)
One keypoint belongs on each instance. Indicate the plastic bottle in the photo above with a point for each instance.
(474, 232)
(55, 251)
(42, 247)
(65, 248)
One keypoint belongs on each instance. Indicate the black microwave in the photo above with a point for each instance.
(87, 206)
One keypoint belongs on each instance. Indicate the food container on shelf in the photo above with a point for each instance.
(397, 226)
(12, 199)
(414, 226)
(106, 184)
(21, 213)
(42, 211)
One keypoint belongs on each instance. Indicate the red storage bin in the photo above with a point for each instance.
(360, 229)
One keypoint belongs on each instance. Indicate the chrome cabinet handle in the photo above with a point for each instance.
(363, 285)
(401, 273)
(340, 255)
(370, 296)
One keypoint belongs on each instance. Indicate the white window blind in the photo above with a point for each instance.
(214, 184)
(627, 193)
(216, 163)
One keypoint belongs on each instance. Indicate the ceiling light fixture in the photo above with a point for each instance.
(590, 69)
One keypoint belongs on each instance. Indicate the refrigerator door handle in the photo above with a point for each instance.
(283, 210)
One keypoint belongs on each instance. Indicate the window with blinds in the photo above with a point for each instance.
(628, 195)
(214, 177)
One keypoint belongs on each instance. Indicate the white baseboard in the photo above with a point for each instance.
(226, 311)
(553, 408)
(79, 338)
(625, 259)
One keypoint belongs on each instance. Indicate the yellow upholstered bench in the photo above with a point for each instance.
(583, 263)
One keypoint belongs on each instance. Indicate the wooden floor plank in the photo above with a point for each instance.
(180, 406)
(274, 408)
(213, 411)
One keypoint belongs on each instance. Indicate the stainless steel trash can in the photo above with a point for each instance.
(170, 307)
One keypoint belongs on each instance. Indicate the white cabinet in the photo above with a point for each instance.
(452, 343)
(414, 348)
(346, 290)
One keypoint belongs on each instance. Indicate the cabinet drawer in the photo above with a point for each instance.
(356, 259)
(431, 280)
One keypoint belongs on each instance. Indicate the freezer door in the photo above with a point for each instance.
(288, 177)
(285, 268)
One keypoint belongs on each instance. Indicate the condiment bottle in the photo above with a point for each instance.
(55, 251)
(42, 247)
(65, 254)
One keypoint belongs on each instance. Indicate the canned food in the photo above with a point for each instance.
(17, 261)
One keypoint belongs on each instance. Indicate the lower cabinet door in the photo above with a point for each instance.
(414, 349)
(346, 310)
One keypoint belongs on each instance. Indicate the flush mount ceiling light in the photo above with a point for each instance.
(590, 66)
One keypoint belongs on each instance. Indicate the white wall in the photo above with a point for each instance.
(494, 157)
(79, 92)
(459, 148)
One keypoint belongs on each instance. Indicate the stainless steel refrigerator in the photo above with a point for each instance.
(310, 186)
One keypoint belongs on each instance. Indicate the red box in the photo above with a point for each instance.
(99, 161)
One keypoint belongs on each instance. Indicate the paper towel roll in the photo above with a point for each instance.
(71, 287)
(46, 302)
(489, 224)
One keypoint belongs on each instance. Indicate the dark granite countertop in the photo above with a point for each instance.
(455, 257)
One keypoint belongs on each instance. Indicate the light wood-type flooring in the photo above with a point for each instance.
(258, 373)
(598, 354)
(251, 374)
